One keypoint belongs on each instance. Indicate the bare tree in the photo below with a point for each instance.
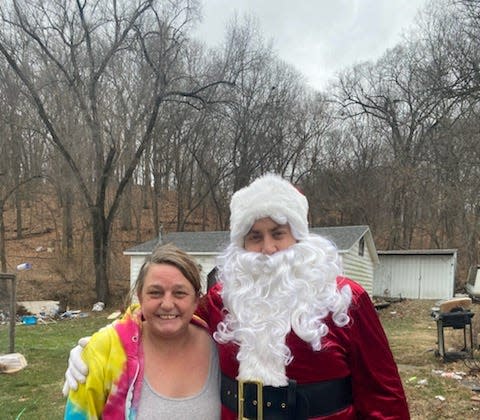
(81, 43)
(402, 110)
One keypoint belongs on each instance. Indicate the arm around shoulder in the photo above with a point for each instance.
(103, 367)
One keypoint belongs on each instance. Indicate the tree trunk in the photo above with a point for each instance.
(67, 234)
(18, 212)
(100, 255)
(3, 256)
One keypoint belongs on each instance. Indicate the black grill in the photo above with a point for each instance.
(457, 318)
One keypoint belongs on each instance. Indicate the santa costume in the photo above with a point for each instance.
(296, 339)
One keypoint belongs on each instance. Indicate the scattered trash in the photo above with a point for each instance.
(475, 398)
(414, 379)
(393, 313)
(24, 266)
(451, 375)
(98, 307)
(29, 320)
(70, 314)
(43, 308)
(440, 397)
(12, 362)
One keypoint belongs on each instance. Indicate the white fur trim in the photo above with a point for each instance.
(268, 196)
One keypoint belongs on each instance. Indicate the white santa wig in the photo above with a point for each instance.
(268, 196)
(267, 296)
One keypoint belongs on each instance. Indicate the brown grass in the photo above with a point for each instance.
(412, 334)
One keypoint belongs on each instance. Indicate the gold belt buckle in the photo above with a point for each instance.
(258, 401)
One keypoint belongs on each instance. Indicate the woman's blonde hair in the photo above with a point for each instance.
(171, 255)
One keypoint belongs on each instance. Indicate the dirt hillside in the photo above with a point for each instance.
(52, 277)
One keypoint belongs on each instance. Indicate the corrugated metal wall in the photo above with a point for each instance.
(359, 268)
(415, 276)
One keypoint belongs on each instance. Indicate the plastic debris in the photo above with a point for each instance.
(70, 314)
(440, 397)
(12, 362)
(451, 375)
(98, 307)
(29, 320)
(24, 266)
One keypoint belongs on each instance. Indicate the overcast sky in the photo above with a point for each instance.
(319, 37)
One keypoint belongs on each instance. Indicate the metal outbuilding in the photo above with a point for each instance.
(416, 274)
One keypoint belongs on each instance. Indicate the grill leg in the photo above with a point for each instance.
(440, 337)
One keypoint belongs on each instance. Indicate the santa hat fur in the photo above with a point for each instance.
(268, 196)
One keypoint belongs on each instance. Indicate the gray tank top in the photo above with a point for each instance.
(203, 406)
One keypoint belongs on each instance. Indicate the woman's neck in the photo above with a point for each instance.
(177, 343)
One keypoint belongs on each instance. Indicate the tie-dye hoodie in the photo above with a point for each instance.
(115, 362)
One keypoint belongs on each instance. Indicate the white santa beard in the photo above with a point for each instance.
(268, 296)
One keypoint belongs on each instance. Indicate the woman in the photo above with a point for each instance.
(154, 362)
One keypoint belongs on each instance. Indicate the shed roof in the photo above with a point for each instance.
(418, 252)
(344, 237)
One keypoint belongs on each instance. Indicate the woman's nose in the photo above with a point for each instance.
(167, 301)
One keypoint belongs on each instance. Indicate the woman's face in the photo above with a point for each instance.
(168, 300)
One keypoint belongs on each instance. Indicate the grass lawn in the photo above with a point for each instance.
(35, 392)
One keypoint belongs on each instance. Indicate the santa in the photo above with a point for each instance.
(296, 339)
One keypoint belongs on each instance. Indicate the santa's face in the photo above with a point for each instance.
(268, 237)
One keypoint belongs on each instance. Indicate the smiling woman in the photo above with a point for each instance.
(154, 362)
(168, 301)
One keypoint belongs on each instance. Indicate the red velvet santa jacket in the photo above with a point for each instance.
(359, 350)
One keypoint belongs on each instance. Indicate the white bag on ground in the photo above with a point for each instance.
(12, 362)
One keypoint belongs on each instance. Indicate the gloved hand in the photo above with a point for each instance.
(77, 370)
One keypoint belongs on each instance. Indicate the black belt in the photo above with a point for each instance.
(291, 402)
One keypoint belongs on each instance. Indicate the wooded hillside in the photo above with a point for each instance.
(110, 109)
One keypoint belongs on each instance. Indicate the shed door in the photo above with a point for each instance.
(416, 276)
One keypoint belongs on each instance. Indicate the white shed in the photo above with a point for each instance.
(416, 274)
(355, 245)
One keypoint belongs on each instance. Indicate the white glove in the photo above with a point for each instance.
(77, 370)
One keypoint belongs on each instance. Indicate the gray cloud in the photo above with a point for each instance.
(319, 37)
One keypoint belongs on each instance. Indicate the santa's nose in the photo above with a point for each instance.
(269, 247)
